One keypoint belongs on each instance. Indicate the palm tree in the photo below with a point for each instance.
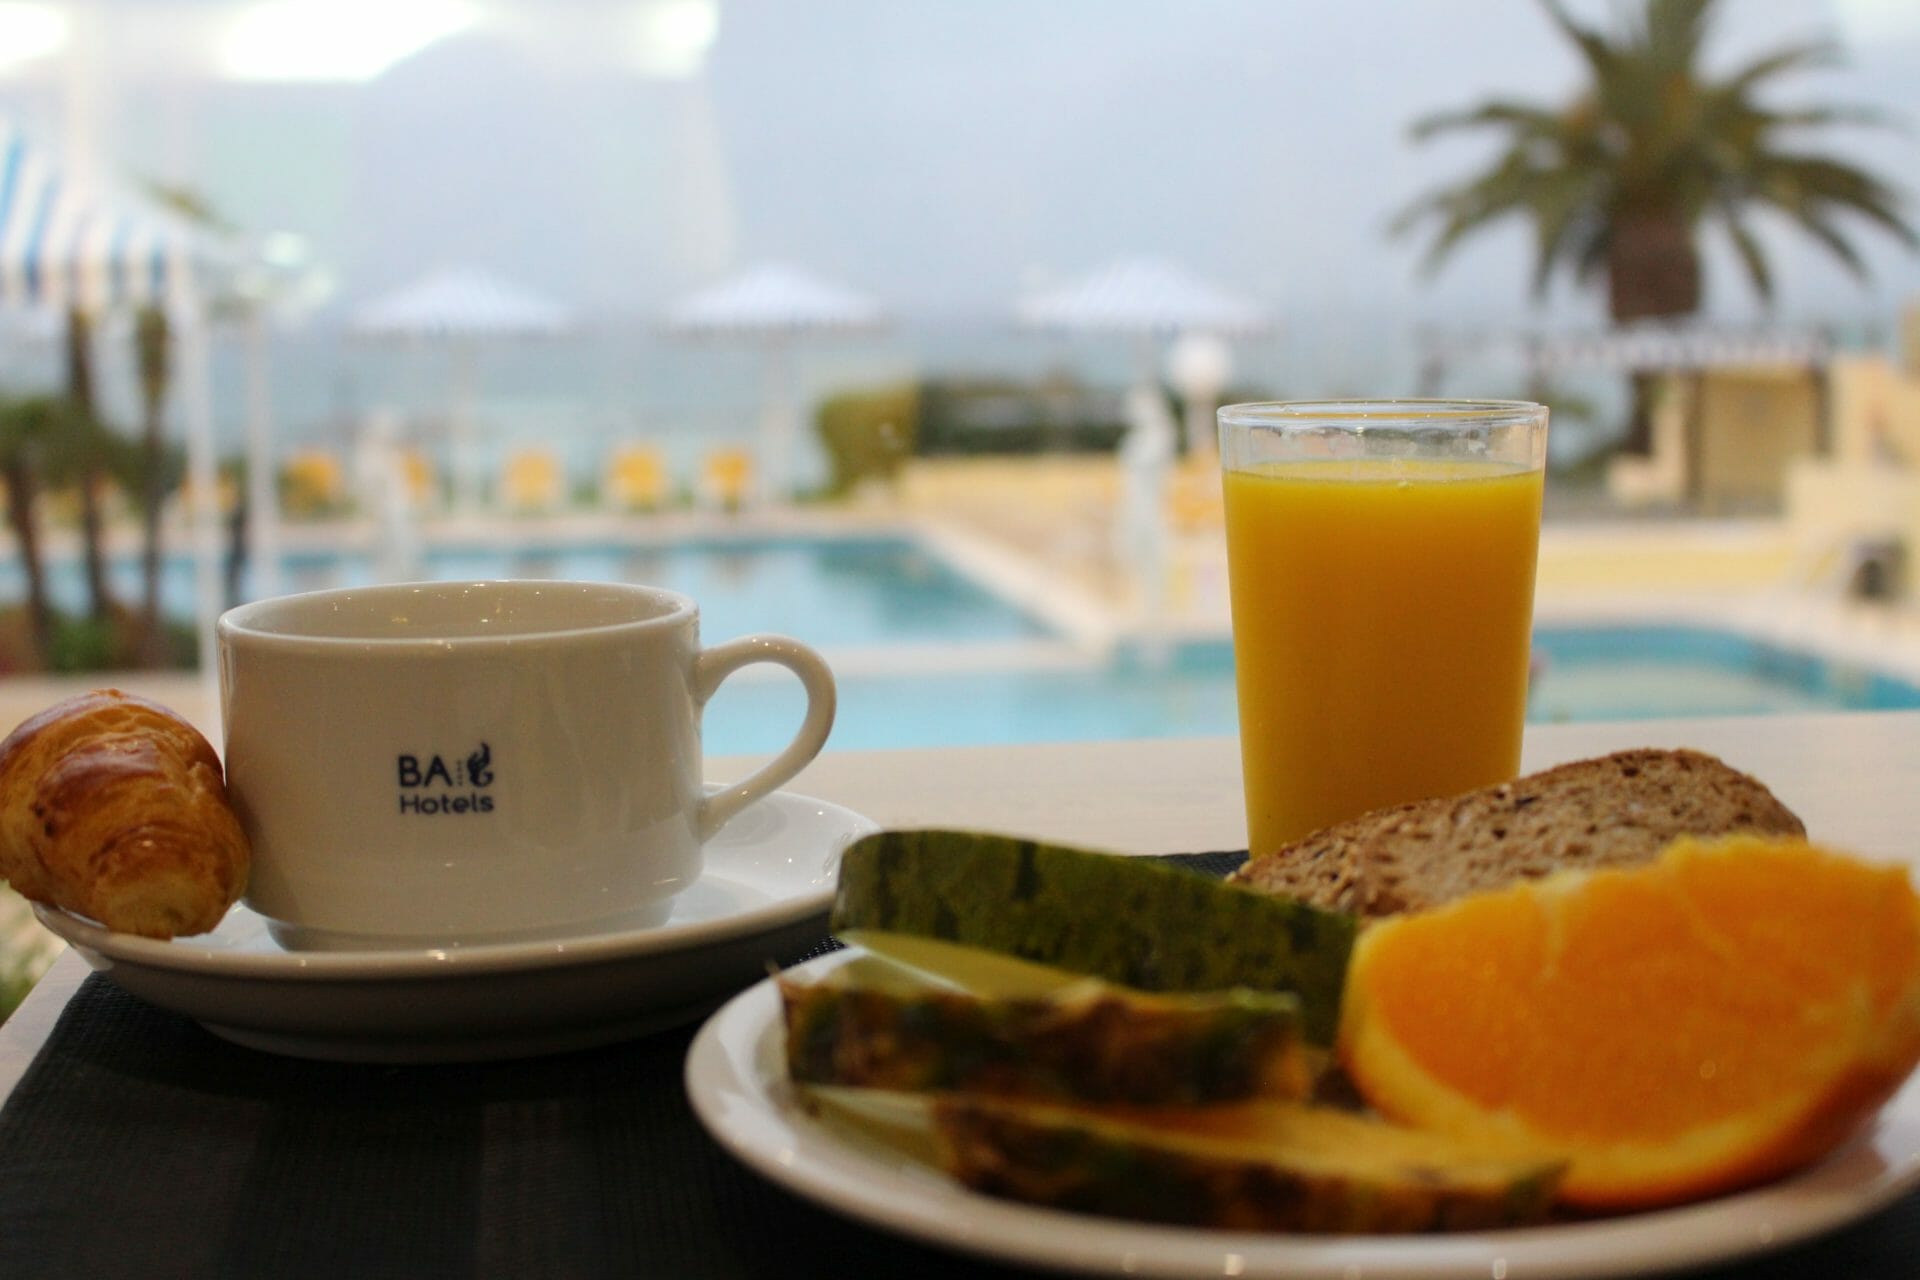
(26, 429)
(153, 352)
(153, 357)
(1621, 181)
(88, 467)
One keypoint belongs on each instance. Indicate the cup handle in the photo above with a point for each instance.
(716, 664)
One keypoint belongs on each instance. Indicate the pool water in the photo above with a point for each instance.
(1642, 672)
(1588, 673)
(830, 592)
(972, 680)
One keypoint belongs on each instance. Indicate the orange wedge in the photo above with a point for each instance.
(1729, 1012)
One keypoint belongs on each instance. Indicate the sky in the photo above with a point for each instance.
(944, 155)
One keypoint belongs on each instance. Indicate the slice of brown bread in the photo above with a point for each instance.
(1615, 810)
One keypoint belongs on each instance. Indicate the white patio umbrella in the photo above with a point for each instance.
(1145, 296)
(1151, 301)
(67, 243)
(462, 308)
(773, 307)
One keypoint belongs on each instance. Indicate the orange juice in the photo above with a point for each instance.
(1382, 611)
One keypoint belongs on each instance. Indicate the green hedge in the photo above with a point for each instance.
(81, 644)
(995, 415)
(867, 434)
(870, 432)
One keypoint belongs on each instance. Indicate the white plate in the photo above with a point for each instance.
(736, 1078)
(764, 891)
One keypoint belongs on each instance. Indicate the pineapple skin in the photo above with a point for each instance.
(1101, 1048)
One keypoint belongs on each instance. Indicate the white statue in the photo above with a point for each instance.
(380, 480)
(1146, 459)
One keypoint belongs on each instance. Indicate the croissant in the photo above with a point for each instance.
(114, 808)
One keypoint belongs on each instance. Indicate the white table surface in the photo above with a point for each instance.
(1853, 778)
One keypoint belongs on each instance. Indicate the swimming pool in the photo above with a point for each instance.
(1588, 673)
(927, 656)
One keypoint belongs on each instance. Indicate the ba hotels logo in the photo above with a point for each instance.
(431, 785)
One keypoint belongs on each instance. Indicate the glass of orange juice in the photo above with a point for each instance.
(1380, 558)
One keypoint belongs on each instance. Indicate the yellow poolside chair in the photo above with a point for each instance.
(312, 483)
(1194, 501)
(726, 478)
(226, 494)
(423, 483)
(532, 481)
(636, 478)
(62, 504)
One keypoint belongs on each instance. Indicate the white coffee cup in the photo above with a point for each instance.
(449, 763)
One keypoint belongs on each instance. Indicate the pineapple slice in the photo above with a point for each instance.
(1257, 1166)
(980, 1027)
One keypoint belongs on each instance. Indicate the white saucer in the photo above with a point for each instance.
(736, 1079)
(764, 892)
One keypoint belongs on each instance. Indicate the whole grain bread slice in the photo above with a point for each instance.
(1616, 810)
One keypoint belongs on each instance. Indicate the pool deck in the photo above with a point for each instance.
(1048, 532)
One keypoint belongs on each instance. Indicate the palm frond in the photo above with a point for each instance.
(1829, 235)
(1591, 264)
(1675, 30)
(1600, 55)
(1567, 241)
(1751, 255)
(1463, 211)
(1515, 115)
(1826, 117)
(1811, 56)
(1465, 208)
(1796, 183)
(189, 204)
(1563, 205)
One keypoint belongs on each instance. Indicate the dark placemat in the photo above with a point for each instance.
(140, 1145)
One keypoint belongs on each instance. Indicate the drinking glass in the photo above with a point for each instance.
(1380, 560)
